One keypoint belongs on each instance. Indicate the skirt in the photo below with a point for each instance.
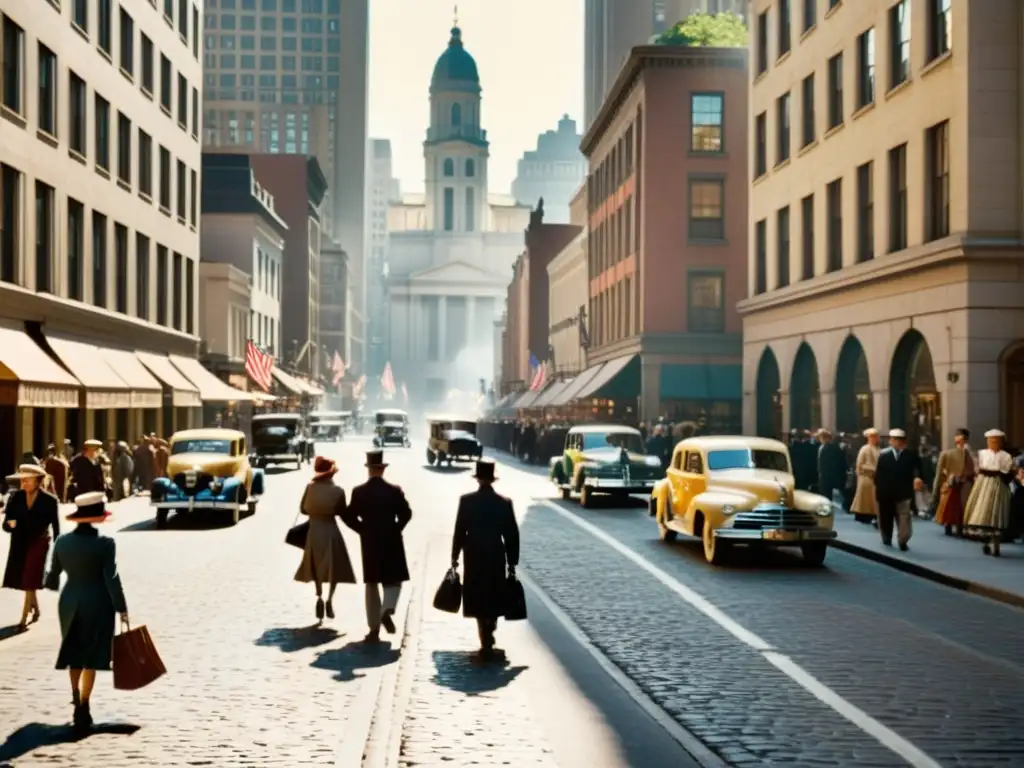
(988, 508)
(951, 507)
(864, 502)
(325, 559)
(35, 563)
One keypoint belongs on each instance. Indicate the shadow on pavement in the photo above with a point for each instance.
(12, 630)
(207, 521)
(455, 469)
(290, 640)
(462, 671)
(35, 735)
(344, 661)
(277, 469)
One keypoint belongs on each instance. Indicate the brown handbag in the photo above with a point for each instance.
(136, 661)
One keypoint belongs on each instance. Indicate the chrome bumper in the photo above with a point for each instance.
(278, 456)
(618, 484)
(191, 504)
(776, 536)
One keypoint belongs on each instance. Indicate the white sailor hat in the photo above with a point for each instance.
(995, 433)
(898, 434)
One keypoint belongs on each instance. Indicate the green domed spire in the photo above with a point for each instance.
(455, 69)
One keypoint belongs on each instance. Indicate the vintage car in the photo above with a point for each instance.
(329, 426)
(604, 459)
(452, 439)
(391, 427)
(208, 469)
(279, 438)
(740, 490)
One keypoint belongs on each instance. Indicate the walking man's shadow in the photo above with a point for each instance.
(344, 661)
(465, 672)
(37, 735)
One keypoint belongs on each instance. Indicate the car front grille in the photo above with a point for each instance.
(191, 483)
(773, 517)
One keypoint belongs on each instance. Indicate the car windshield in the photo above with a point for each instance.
(390, 418)
(276, 430)
(745, 458)
(458, 434)
(629, 440)
(201, 446)
(465, 426)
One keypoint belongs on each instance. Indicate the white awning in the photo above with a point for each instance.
(38, 381)
(211, 389)
(146, 390)
(104, 388)
(184, 393)
(289, 383)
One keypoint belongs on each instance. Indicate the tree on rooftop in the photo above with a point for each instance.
(705, 30)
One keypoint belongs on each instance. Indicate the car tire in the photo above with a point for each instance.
(251, 507)
(430, 458)
(161, 518)
(586, 497)
(715, 551)
(652, 507)
(814, 553)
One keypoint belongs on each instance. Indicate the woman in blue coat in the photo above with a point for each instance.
(28, 517)
(89, 601)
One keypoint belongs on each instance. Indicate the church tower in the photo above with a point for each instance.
(456, 150)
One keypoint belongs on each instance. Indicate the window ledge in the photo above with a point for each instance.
(760, 76)
(834, 130)
(783, 163)
(898, 88)
(74, 154)
(166, 110)
(183, 126)
(808, 32)
(695, 153)
(181, 220)
(127, 75)
(192, 227)
(105, 54)
(716, 242)
(861, 111)
(758, 179)
(169, 21)
(124, 185)
(12, 116)
(105, 173)
(147, 92)
(935, 63)
(165, 211)
(47, 138)
(81, 31)
(783, 57)
(833, 10)
(806, 148)
(146, 196)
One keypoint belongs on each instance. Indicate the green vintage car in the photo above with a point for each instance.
(605, 459)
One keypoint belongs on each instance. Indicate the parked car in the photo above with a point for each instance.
(208, 470)
(279, 438)
(391, 427)
(452, 439)
(740, 490)
(605, 459)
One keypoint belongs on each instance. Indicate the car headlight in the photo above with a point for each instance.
(652, 461)
(728, 509)
(217, 485)
(825, 510)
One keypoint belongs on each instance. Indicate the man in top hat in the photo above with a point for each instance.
(897, 476)
(379, 512)
(86, 472)
(487, 534)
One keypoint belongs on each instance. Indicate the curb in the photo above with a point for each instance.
(938, 577)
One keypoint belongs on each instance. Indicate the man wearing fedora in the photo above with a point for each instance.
(897, 476)
(379, 512)
(487, 534)
(86, 472)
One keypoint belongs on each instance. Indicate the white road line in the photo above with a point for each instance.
(858, 717)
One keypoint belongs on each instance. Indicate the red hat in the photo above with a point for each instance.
(324, 467)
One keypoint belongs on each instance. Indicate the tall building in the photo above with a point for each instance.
(383, 190)
(450, 250)
(885, 254)
(99, 244)
(554, 171)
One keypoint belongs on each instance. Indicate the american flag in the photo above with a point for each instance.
(357, 388)
(338, 367)
(539, 377)
(259, 365)
(387, 380)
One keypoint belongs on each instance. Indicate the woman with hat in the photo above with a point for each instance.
(28, 515)
(988, 507)
(864, 506)
(325, 559)
(89, 600)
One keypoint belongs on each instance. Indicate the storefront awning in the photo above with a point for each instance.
(211, 389)
(183, 392)
(619, 379)
(568, 394)
(310, 388)
(146, 391)
(548, 395)
(29, 377)
(290, 384)
(701, 381)
(104, 388)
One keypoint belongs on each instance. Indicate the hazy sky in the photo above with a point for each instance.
(530, 57)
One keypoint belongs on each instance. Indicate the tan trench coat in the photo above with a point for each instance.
(864, 502)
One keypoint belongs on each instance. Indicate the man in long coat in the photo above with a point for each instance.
(86, 472)
(145, 459)
(897, 477)
(487, 534)
(379, 512)
(831, 466)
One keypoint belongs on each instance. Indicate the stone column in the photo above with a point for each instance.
(787, 411)
(880, 408)
(828, 409)
(650, 390)
(442, 329)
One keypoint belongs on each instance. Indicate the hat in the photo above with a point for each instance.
(90, 508)
(92, 443)
(995, 433)
(375, 459)
(30, 470)
(485, 470)
(324, 468)
(870, 431)
(899, 434)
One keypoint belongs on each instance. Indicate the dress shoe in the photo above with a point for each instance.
(388, 622)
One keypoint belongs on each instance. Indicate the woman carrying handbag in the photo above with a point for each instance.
(29, 515)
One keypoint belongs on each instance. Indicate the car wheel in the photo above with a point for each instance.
(430, 458)
(652, 507)
(251, 507)
(161, 518)
(814, 553)
(715, 551)
(586, 497)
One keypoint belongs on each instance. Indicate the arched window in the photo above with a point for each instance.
(470, 167)
(449, 167)
(456, 114)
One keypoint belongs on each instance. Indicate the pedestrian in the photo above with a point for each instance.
(86, 472)
(29, 513)
(89, 601)
(953, 478)
(123, 470)
(379, 513)
(56, 466)
(487, 534)
(897, 477)
(831, 468)
(325, 558)
(144, 459)
(864, 505)
(161, 455)
(988, 507)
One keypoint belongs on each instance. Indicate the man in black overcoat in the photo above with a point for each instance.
(897, 476)
(831, 466)
(379, 512)
(487, 533)
(86, 472)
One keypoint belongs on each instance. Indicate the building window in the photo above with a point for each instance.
(782, 130)
(102, 124)
(44, 237)
(705, 305)
(785, 28)
(865, 212)
(762, 43)
(898, 198)
(183, 19)
(193, 200)
(76, 248)
(145, 164)
(99, 259)
(782, 246)
(940, 28)
(14, 65)
(126, 27)
(141, 276)
(707, 215)
(182, 101)
(121, 254)
(47, 90)
(456, 115)
(761, 256)
(937, 143)
(470, 209)
(80, 15)
(761, 146)
(449, 209)
(161, 285)
(707, 122)
(165, 180)
(807, 237)
(835, 91)
(166, 83)
(104, 26)
(10, 223)
(808, 118)
(449, 167)
(77, 114)
(195, 113)
(190, 296)
(124, 148)
(866, 68)
(148, 72)
(810, 14)
(182, 190)
(470, 168)
(899, 43)
(834, 224)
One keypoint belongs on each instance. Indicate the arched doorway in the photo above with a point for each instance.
(1013, 396)
(915, 404)
(805, 391)
(854, 404)
(769, 396)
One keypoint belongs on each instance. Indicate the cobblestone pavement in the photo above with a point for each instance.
(939, 667)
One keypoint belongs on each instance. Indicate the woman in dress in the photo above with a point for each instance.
(28, 516)
(89, 601)
(988, 507)
(864, 506)
(325, 559)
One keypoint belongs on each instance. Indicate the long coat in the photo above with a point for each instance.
(325, 559)
(953, 478)
(57, 468)
(487, 534)
(831, 469)
(864, 502)
(379, 513)
(90, 600)
(26, 559)
(86, 476)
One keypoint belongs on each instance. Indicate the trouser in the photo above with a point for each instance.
(375, 607)
(899, 513)
(486, 628)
